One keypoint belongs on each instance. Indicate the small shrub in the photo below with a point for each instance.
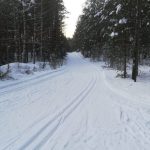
(28, 72)
(121, 75)
(4, 75)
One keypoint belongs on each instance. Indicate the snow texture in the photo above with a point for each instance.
(82, 106)
(118, 8)
(123, 21)
(113, 34)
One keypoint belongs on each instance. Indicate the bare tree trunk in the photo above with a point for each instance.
(125, 56)
(8, 66)
(136, 48)
(34, 39)
(24, 36)
(125, 62)
(19, 56)
(41, 48)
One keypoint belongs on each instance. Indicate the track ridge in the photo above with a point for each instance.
(87, 92)
(74, 104)
(33, 81)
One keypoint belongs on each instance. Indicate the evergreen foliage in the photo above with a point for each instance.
(32, 30)
(117, 31)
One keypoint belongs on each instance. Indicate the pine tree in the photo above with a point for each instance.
(116, 31)
(20, 39)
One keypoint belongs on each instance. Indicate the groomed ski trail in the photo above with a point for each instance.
(73, 108)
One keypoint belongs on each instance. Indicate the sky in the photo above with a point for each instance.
(74, 7)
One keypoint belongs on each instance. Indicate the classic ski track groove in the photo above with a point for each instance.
(26, 83)
(83, 93)
(62, 120)
(50, 127)
(74, 103)
(32, 78)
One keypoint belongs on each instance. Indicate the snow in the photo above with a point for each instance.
(20, 72)
(33, 1)
(113, 34)
(118, 8)
(98, 14)
(111, 12)
(80, 106)
(123, 21)
(106, 1)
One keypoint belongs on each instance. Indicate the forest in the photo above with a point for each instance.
(32, 30)
(74, 74)
(116, 31)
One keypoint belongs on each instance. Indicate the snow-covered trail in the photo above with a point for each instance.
(74, 108)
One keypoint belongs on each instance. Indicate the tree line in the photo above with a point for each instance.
(32, 30)
(117, 31)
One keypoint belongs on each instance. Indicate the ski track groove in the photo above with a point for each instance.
(130, 117)
(74, 102)
(84, 95)
(13, 140)
(33, 81)
(32, 78)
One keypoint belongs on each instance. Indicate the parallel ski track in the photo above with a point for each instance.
(57, 120)
(23, 84)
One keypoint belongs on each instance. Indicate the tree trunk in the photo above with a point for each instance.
(34, 39)
(41, 48)
(136, 48)
(24, 36)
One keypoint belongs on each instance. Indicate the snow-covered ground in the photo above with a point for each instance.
(78, 107)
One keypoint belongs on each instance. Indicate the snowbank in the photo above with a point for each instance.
(20, 70)
(127, 87)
